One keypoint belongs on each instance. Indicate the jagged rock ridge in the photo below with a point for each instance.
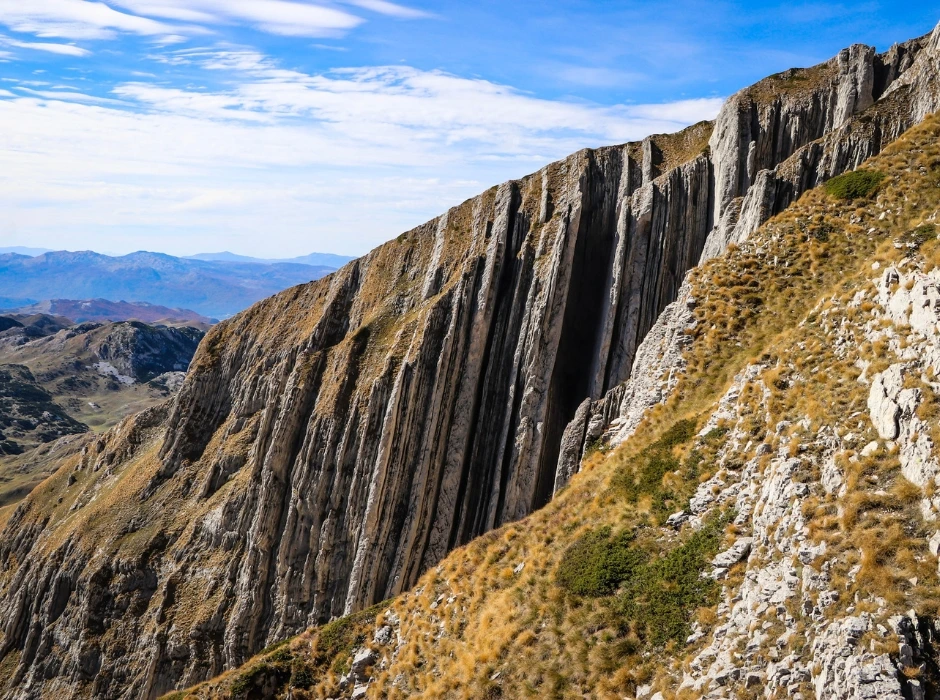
(772, 142)
(334, 441)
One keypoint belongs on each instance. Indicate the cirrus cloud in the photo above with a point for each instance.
(94, 20)
(340, 160)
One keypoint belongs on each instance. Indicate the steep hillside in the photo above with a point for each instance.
(770, 528)
(28, 413)
(333, 443)
(213, 288)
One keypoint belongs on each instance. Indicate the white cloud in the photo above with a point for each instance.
(338, 161)
(170, 21)
(275, 16)
(396, 104)
(389, 8)
(74, 19)
(61, 49)
(70, 95)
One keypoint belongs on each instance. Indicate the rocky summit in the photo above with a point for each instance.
(656, 421)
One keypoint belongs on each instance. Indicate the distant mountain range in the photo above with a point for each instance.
(316, 259)
(102, 310)
(23, 250)
(319, 259)
(212, 288)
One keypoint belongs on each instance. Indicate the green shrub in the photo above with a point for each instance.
(643, 475)
(912, 240)
(854, 185)
(598, 563)
(249, 678)
(301, 677)
(662, 595)
(658, 592)
(337, 639)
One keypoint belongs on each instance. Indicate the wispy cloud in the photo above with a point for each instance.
(274, 16)
(61, 49)
(389, 8)
(173, 20)
(405, 105)
(74, 19)
(370, 150)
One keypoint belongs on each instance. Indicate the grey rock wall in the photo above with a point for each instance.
(771, 143)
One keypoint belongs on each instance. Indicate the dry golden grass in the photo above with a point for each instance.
(779, 299)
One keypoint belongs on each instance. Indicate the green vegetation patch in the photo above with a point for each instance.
(854, 185)
(643, 475)
(657, 593)
(912, 240)
(336, 640)
(598, 563)
(255, 677)
(661, 597)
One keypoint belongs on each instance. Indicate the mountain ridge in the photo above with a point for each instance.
(309, 456)
(85, 310)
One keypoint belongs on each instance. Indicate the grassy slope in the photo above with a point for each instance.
(507, 628)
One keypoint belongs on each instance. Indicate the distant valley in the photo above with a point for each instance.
(60, 380)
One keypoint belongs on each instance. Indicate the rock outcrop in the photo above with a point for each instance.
(59, 378)
(771, 143)
(333, 442)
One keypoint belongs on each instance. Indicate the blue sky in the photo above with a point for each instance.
(280, 127)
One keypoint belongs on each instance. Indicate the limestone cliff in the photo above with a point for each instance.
(335, 441)
(769, 529)
(771, 143)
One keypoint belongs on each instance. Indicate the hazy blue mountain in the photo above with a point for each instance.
(23, 250)
(105, 310)
(326, 259)
(213, 288)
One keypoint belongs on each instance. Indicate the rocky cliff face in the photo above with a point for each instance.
(771, 143)
(337, 440)
(768, 529)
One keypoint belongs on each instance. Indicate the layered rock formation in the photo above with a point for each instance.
(770, 529)
(336, 440)
(771, 143)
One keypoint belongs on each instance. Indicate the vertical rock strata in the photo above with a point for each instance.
(336, 440)
(771, 143)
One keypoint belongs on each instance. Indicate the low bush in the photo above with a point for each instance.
(658, 593)
(662, 596)
(854, 185)
(598, 563)
(643, 475)
(336, 640)
(252, 678)
(912, 240)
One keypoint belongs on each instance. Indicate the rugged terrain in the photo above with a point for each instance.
(770, 528)
(59, 379)
(333, 443)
